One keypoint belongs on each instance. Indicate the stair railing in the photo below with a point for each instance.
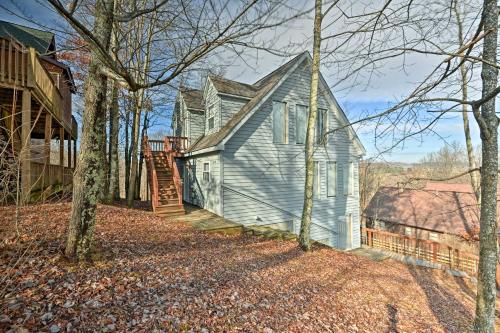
(171, 149)
(152, 178)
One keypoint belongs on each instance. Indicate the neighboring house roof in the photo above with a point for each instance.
(193, 98)
(41, 41)
(230, 87)
(436, 207)
(258, 93)
(66, 70)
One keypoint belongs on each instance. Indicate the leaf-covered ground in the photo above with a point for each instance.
(149, 273)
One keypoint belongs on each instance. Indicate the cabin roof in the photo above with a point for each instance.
(256, 93)
(446, 208)
(42, 41)
(232, 87)
(262, 88)
(192, 97)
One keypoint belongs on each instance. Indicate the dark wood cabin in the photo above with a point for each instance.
(35, 102)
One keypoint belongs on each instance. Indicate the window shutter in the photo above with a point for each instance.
(279, 122)
(332, 179)
(301, 115)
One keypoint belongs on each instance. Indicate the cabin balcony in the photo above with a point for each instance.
(35, 108)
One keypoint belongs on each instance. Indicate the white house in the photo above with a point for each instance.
(245, 159)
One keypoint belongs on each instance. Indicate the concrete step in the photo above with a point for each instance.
(271, 233)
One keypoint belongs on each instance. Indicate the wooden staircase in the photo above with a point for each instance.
(163, 175)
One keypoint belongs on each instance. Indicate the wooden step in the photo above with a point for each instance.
(170, 210)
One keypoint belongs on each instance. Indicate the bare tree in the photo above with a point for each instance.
(305, 226)
(88, 177)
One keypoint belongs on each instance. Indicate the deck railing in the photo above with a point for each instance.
(21, 67)
(45, 175)
(427, 250)
(175, 146)
(13, 63)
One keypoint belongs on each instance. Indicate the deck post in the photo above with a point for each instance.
(61, 154)
(26, 146)
(69, 151)
(74, 153)
(61, 146)
(47, 141)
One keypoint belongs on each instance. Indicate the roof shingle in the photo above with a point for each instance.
(38, 39)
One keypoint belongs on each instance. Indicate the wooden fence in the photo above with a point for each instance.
(434, 252)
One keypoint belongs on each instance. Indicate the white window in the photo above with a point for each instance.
(301, 115)
(332, 178)
(434, 236)
(317, 180)
(280, 122)
(408, 231)
(211, 117)
(321, 122)
(348, 178)
(206, 171)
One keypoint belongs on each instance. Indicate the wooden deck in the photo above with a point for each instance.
(34, 105)
(21, 68)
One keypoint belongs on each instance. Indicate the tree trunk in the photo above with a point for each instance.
(87, 181)
(133, 148)
(305, 226)
(127, 147)
(104, 156)
(114, 128)
(486, 286)
(145, 126)
(474, 176)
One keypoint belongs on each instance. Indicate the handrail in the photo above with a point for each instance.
(169, 149)
(278, 208)
(152, 177)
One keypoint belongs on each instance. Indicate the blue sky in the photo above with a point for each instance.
(355, 102)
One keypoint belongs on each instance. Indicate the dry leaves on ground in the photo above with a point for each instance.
(149, 273)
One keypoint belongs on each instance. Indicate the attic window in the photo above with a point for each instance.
(211, 117)
(321, 122)
(301, 115)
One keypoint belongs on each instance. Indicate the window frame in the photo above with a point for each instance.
(285, 124)
(306, 108)
(211, 116)
(324, 127)
(348, 188)
(328, 180)
(433, 236)
(203, 171)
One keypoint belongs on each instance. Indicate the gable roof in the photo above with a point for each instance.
(192, 97)
(42, 41)
(263, 89)
(446, 208)
(231, 87)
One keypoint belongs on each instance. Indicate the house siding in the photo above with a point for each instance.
(206, 194)
(230, 106)
(263, 181)
(197, 125)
